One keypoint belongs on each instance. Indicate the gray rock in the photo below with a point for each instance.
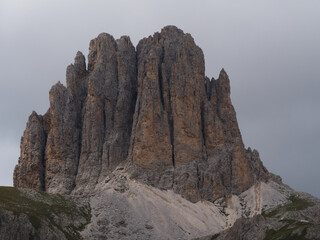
(297, 219)
(108, 110)
(134, 122)
(29, 172)
(152, 108)
(63, 142)
(185, 134)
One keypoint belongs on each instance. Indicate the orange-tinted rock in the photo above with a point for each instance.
(153, 109)
(168, 120)
(197, 121)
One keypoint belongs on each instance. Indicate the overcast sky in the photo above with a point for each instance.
(270, 49)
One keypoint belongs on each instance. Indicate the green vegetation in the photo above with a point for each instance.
(296, 204)
(215, 236)
(45, 209)
(293, 229)
(286, 232)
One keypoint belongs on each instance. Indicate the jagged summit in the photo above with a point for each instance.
(151, 109)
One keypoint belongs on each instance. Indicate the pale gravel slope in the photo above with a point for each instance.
(127, 209)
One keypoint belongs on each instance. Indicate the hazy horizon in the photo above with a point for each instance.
(270, 50)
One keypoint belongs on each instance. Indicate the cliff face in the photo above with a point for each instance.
(153, 110)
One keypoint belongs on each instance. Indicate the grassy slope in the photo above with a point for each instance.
(45, 209)
(296, 204)
(288, 231)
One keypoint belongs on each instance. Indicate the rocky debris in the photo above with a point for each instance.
(140, 211)
(151, 108)
(297, 218)
(128, 209)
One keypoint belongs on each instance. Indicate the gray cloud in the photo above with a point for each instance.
(270, 50)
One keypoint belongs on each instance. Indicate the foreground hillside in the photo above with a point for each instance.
(298, 219)
(127, 209)
(29, 214)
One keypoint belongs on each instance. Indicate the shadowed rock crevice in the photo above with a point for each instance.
(170, 123)
(160, 81)
(203, 126)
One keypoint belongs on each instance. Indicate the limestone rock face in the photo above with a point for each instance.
(86, 132)
(29, 173)
(151, 109)
(170, 90)
(62, 148)
(185, 132)
(108, 110)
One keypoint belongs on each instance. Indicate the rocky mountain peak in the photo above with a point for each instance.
(142, 145)
(150, 109)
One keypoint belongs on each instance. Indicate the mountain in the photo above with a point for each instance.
(152, 108)
(152, 147)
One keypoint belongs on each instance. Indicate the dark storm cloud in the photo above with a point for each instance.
(270, 50)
